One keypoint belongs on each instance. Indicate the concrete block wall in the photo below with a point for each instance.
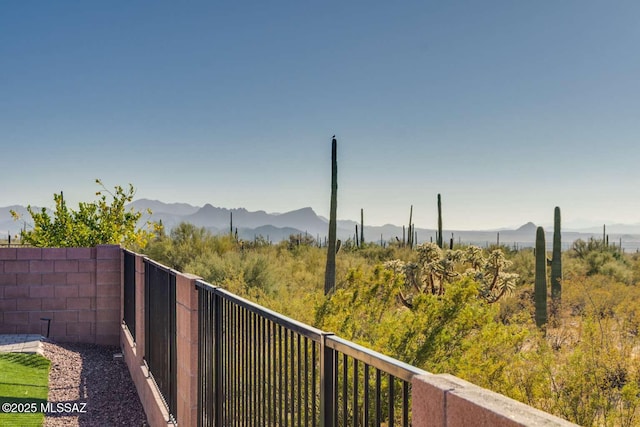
(187, 351)
(77, 288)
(445, 400)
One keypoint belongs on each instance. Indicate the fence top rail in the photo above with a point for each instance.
(160, 266)
(298, 327)
(387, 364)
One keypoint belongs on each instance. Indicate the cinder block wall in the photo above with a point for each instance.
(77, 288)
(445, 400)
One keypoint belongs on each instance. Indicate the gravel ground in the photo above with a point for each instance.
(88, 374)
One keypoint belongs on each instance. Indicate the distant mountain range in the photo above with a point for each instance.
(280, 226)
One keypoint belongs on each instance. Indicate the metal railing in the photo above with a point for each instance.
(129, 318)
(160, 330)
(260, 368)
(370, 388)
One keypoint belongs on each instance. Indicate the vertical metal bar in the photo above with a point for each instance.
(233, 365)
(279, 374)
(251, 359)
(218, 360)
(254, 378)
(327, 383)
(405, 404)
(306, 381)
(246, 396)
(345, 396)
(238, 365)
(336, 373)
(299, 373)
(240, 391)
(201, 377)
(366, 395)
(270, 349)
(274, 375)
(265, 350)
(260, 372)
(245, 370)
(292, 354)
(255, 414)
(210, 358)
(391, 399)
(230, 392)
(219, 350)
(234, 380)
(378, 403)
(314, 382)
(237, 412)
(286, 378)
(355, 392)
(228, 358)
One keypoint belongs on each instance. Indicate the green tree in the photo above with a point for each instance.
(94, 223)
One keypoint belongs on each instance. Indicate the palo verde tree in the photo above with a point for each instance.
(94, 223)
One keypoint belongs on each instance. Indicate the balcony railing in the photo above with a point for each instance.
(260, 368)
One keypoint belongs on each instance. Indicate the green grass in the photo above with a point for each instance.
(24, 382)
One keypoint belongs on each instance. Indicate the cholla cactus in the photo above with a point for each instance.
(436, 267)
(496, 281)
(395, 265)
(428, 253)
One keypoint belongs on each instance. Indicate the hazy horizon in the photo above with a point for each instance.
(506, 109)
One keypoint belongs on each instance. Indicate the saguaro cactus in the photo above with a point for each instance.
(556, 261)
(439, 234)
(540, 289)
(361, 226)
(410, 232)
(330, 271)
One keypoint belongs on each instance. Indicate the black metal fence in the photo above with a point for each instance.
(160, 330)
(259, 368)
(130, 292)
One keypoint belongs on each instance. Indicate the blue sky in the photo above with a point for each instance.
(506, 108)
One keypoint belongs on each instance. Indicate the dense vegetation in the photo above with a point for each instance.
(466, 311)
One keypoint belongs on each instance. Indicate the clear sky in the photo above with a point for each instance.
(507, 108)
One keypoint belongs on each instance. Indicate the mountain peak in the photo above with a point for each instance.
(528, 227)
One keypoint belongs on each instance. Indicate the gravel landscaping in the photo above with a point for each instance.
(87, 387)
